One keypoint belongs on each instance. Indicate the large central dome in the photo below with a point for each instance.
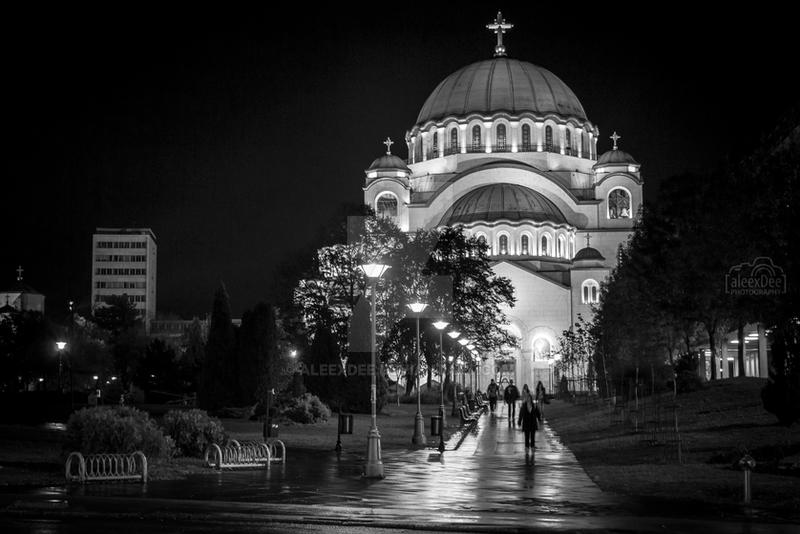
(501, 84)
(502, 202)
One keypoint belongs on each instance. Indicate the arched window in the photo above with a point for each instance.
(481, 239)
(541, 349)
(503, 242)
(545, 250)
(590, 292)
(548, 139)
(585, 142)
(476, 138)
(454, 140)
(525, 245)
(386, 205)
(501, 137)
(435, 145)
(619, 204)
(526, 138)
(418, 150)
(560, 249)
(568, 148)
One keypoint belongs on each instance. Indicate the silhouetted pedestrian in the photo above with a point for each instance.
(529, 419)
(510, 396)
(492, 391)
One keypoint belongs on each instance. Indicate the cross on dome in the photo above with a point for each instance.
(588, 237)
(614, 138)
(19, 273)
(499, 26)
(388, 144)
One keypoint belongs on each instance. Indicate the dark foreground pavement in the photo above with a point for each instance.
(490, 483)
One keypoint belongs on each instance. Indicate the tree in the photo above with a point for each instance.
(191, 358)
(264, 366)
(219, 382)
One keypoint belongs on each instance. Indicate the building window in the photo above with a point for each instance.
(541, 350)
(501, 137)
(418, 150)
(386, 205)
(545, 251)
(435, 143)
(568, 147)
(560, 249)
(548, 139)
(503, 242)
(585, 144)
(526, 138)
(619, 204)
(454, 140)
(476, 138)
(590, 292)
(525, 245)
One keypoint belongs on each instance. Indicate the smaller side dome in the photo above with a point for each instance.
(389, 161)
(615, 157)
(588, 254)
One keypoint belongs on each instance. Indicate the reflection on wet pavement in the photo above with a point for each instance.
(490, 472)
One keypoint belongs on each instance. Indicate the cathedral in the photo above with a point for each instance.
(504, 149)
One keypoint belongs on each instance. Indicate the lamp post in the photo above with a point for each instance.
(374, 467)
(454, 335)
(419, 424)
(463, 342)
(60, 346)
(440, 326)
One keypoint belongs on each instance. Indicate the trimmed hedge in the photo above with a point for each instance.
(193, 430)
(116, 430)
(306, 409)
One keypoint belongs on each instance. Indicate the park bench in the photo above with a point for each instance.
(248, 454)
(106, 467)
(466, 416)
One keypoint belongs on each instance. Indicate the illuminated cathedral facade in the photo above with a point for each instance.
(504, 149)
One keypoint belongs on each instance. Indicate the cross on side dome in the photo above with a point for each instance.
(614, 138)
(388, 144)
(19, 273)
(499, 26)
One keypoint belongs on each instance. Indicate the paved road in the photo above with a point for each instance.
(489, 483)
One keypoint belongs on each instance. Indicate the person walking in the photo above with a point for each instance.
(528, 418)
(541, 399)
(492, 391)
(510, 396)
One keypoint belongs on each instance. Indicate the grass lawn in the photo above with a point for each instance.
(395, 424)
(34, 455)
(717, 425)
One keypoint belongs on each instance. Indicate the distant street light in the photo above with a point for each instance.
(454, 335)
(374, 467)
(440, 326)
(419, 424)
(60, 346)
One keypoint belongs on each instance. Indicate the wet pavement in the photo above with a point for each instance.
(489, 482)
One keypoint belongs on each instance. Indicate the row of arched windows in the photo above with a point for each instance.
(476, 143)
(558, 247)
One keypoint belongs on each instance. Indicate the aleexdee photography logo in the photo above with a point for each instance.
(761, 277)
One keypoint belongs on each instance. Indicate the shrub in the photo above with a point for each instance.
(116, 430)
(306, 409)
(193, 430)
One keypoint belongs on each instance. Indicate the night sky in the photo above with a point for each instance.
(237, 134)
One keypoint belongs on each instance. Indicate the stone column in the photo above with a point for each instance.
(763, 364)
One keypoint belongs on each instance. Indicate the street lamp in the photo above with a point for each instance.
(454, 335)
(374, 467)
(419, 423)
(464, 342)
(440, 326)
(60, 346)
